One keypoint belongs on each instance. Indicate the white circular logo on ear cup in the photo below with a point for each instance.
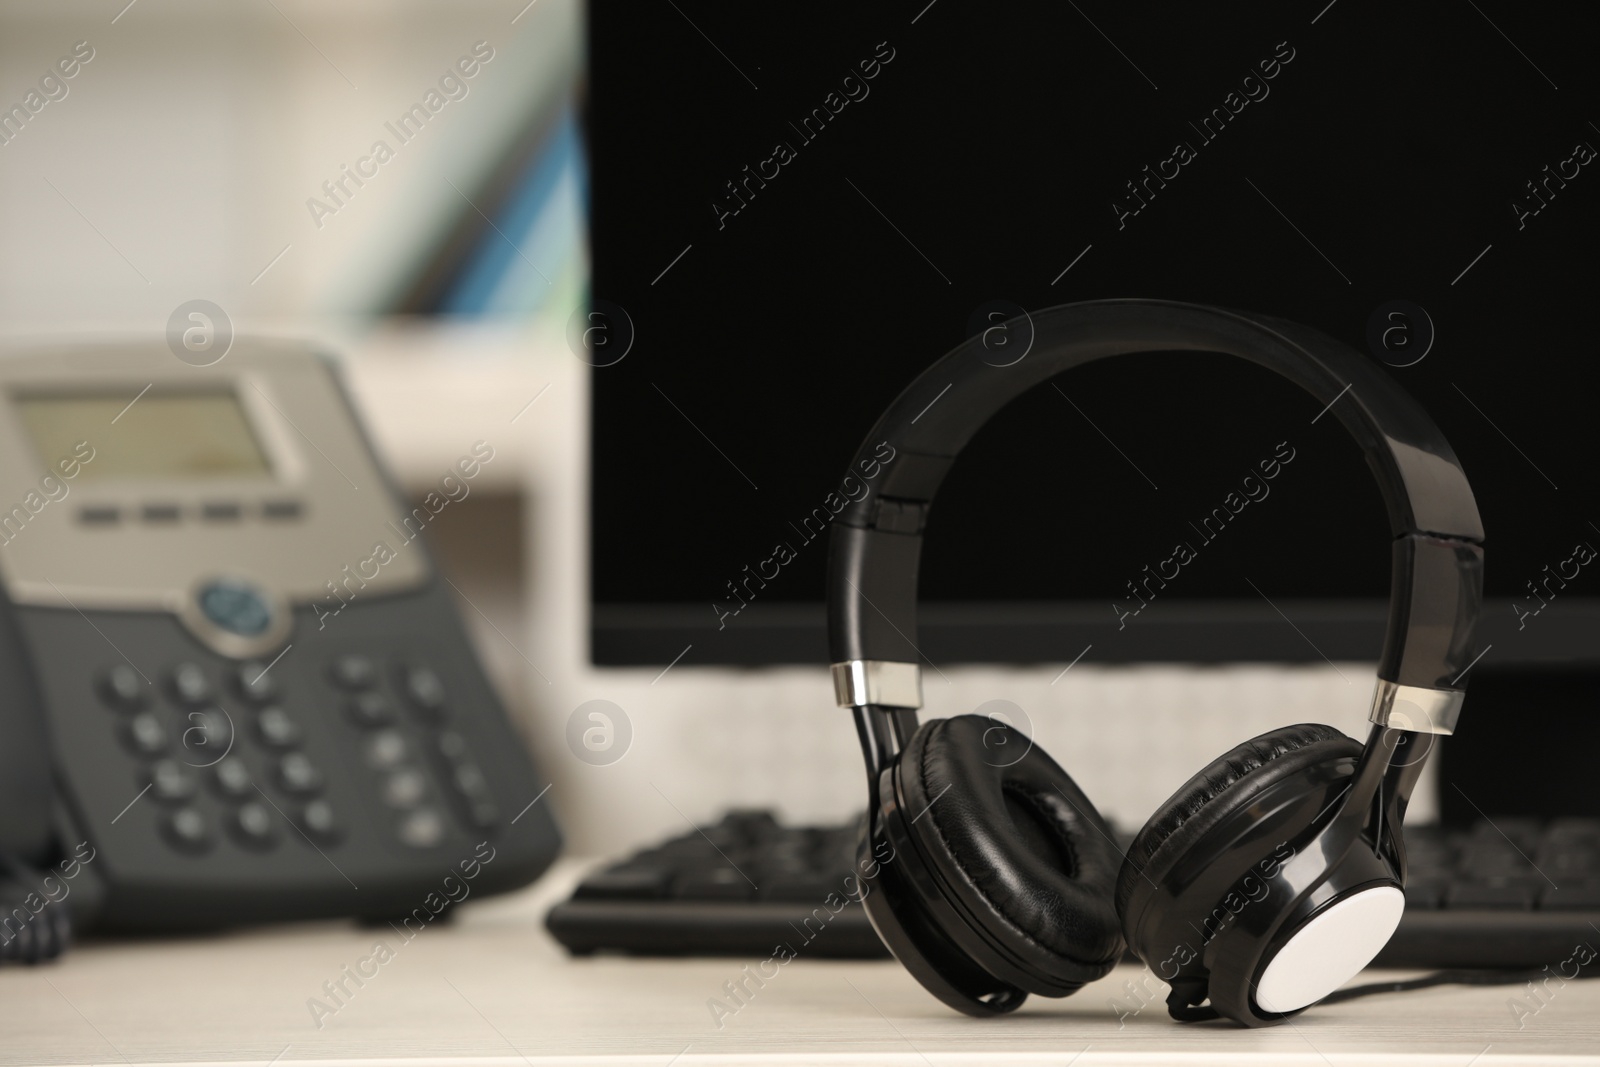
(1330, 950)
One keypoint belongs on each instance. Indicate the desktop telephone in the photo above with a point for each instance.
(233, 688)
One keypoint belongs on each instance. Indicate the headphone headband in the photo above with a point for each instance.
(1437, 579)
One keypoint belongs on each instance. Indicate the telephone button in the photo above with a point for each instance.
(470, 780)
(370, 709)
(386, 749)
(318, 821)
(297, 774)
(188, 830)
(170, 781)
(353, 672)
(146, 735)
(235, 607)
(189, 684)
(405, 788)
(233, 778)
(253, 826)
(484, 813)
(256, 683)
(207, 738)
(276, 728)
(422, 828)
(452, 746)
(424, 689)
(122, 687)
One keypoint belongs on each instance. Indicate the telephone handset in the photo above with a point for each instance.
(236, 690)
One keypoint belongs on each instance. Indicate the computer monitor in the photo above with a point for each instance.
(796, 209)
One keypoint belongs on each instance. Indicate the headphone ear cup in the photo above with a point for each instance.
(1217, 790)
(1017, 851)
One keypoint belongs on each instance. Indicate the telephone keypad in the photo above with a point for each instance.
(420, 770)
(211, 743)
(403, 784)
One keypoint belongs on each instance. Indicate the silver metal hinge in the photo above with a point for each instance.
(1417, 709)
(859, 683)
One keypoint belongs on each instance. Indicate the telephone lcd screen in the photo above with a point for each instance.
(165, 436)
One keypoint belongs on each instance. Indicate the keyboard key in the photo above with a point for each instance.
(123, 688)
(811, 888)
(1425, 893)
(1571, 895)
(626, 883)
(1568, 861)
(1515, 896)
(1573, 830)
(1520, 831)
(720, 883)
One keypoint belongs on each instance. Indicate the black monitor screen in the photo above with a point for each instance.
(798, 208)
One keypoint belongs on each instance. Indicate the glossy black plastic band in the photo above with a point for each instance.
(876, 541)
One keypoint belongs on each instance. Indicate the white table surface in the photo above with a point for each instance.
(492, 988)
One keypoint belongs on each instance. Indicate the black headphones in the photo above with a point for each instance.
(1273, 875)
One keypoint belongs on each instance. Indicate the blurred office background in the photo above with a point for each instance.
(178, 165)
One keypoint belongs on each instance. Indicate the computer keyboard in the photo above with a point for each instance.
(1508, 892)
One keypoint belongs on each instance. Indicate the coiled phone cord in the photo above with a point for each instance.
(26, 935)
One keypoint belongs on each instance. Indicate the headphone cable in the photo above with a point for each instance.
(1455, 976)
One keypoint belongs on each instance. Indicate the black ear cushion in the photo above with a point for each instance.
(1202, 801)
(1029, 857)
